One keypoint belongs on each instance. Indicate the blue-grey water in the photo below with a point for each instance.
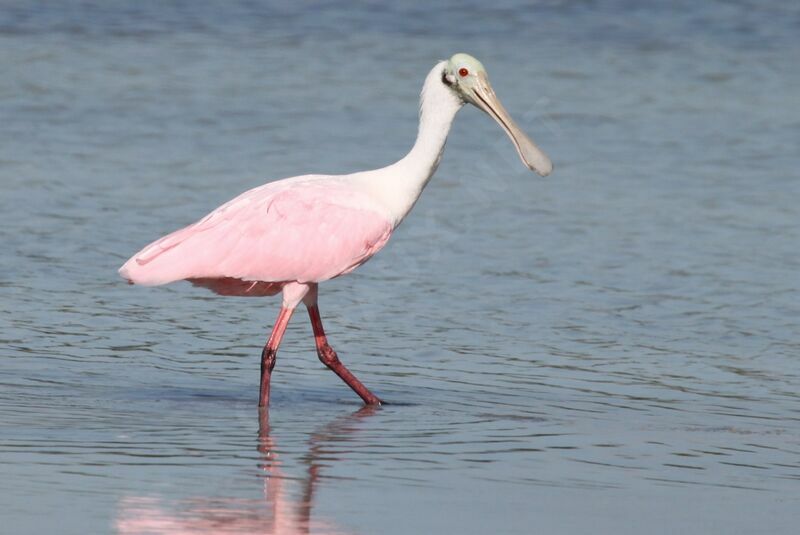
(615, 349)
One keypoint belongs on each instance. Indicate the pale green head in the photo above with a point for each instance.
(465, 61)
(467, 77)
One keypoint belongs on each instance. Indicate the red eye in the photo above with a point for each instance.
(463, 72)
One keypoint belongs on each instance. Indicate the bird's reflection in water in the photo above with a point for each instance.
(280, 513)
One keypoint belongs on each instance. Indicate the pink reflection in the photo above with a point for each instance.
(279, 513)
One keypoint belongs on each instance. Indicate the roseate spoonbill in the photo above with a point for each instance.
(290, 235)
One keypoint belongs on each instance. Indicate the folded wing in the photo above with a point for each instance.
(297, 230)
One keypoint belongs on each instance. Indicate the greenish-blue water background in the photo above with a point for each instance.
(615, 349)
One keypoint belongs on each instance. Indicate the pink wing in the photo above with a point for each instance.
(290, 230)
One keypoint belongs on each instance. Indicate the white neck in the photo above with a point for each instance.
(399, 185)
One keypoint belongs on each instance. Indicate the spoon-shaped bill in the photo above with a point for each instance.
(531, 155)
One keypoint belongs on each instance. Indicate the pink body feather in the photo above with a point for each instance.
(303, 229)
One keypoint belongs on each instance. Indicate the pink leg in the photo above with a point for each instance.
(270, 352)
(329, 358)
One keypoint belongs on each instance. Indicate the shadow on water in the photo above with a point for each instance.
(281, 511)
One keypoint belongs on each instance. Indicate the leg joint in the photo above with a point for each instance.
(327, 355)
(268, 358)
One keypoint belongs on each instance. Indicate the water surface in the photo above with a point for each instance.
(614, 349)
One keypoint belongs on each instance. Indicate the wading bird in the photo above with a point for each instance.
(290, 235)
